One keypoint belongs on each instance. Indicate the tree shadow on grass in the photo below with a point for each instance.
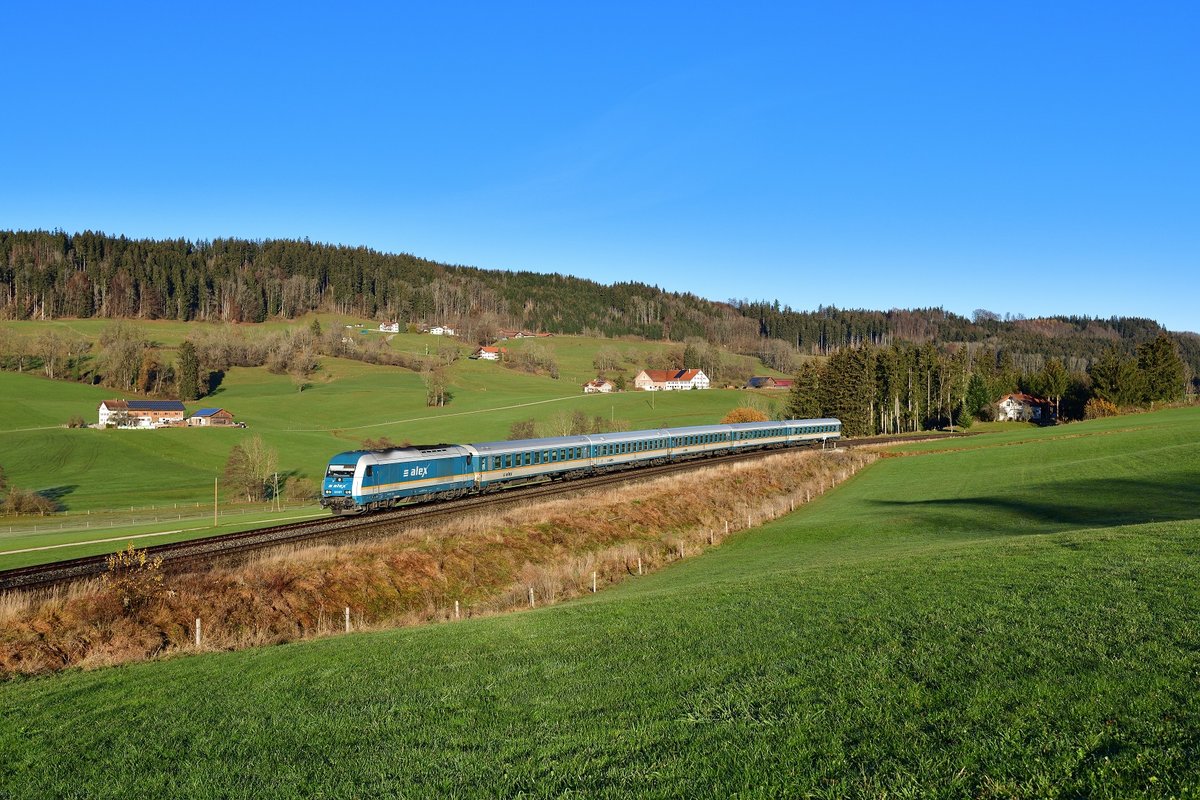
(1091, 503)
(55, 494)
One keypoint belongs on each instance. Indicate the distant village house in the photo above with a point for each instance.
(389, 327)
(141, 413)
(210, 417)
(441, 330)
(504, 333)
(670, 380)
(598, 386)
(1023, 408)
(767, 382)
(489, 353)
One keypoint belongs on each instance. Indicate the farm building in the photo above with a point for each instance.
(489, 353)
(598, 386)
(441, 330)
(767, 382)
(210, 417)
(389, 327)
(141, 413)
(1022, 407)
(670, 380)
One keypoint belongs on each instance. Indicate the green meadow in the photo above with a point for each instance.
(107, 472)
(1014, 615)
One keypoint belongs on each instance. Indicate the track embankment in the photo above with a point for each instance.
(552, 542)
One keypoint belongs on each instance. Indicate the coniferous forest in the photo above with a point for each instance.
(47, 275)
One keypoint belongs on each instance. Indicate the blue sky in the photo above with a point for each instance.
(1029, 158)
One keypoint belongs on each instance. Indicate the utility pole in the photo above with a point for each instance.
(214, 502)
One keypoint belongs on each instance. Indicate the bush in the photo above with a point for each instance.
(744, 414)
(23, 501)
(1098, 408)
(77, 422)
(133, 578)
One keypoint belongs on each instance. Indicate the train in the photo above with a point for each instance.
(358, 481)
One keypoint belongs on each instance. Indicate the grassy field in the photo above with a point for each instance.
(1015, 615)
(346, 402)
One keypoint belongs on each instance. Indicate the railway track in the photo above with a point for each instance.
(179, 556)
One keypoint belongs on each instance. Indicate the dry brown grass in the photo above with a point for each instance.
(487, 561)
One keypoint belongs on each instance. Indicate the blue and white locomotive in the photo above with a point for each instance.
(366, 480)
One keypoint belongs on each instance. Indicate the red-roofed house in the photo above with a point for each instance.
(489, 353)
(670, 380)
(1022, 407)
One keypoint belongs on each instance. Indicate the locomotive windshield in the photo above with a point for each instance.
(340, 470)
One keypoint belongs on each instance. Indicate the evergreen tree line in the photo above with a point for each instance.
(46, 275)
(904, 387)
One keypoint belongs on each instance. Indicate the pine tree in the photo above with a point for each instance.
(804, 401)
(978, 397)
(848, 387)
(187, 372)
(1117, 379)
(1161, 368)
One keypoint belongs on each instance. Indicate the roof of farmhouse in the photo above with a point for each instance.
(664, 375)
(144, 405)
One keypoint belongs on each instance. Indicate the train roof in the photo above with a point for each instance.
(531, 444)
(486, 448)
(393, 453)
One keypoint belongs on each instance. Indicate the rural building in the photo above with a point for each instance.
(389, 327)
(441, 330)
(141, 413)
(598, 386)
(1022, 407)
(767, 382)
(505, 333)
(210, 417)
(670, 380)
(489, 353)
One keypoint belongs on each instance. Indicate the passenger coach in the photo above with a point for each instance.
(364, 480)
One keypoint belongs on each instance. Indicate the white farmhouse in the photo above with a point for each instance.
(670, 380)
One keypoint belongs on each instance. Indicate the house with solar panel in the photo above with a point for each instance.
(210, 417)
(141, 413)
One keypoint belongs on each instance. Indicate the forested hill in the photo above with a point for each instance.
(54, 274)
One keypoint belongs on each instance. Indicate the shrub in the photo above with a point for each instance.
(1097, 408)
(133, 578)
(23, 501)
(744, 414)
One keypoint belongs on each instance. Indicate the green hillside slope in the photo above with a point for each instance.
(1015, 617)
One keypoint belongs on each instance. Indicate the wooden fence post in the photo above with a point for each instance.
(347, 619)
(197, 631)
